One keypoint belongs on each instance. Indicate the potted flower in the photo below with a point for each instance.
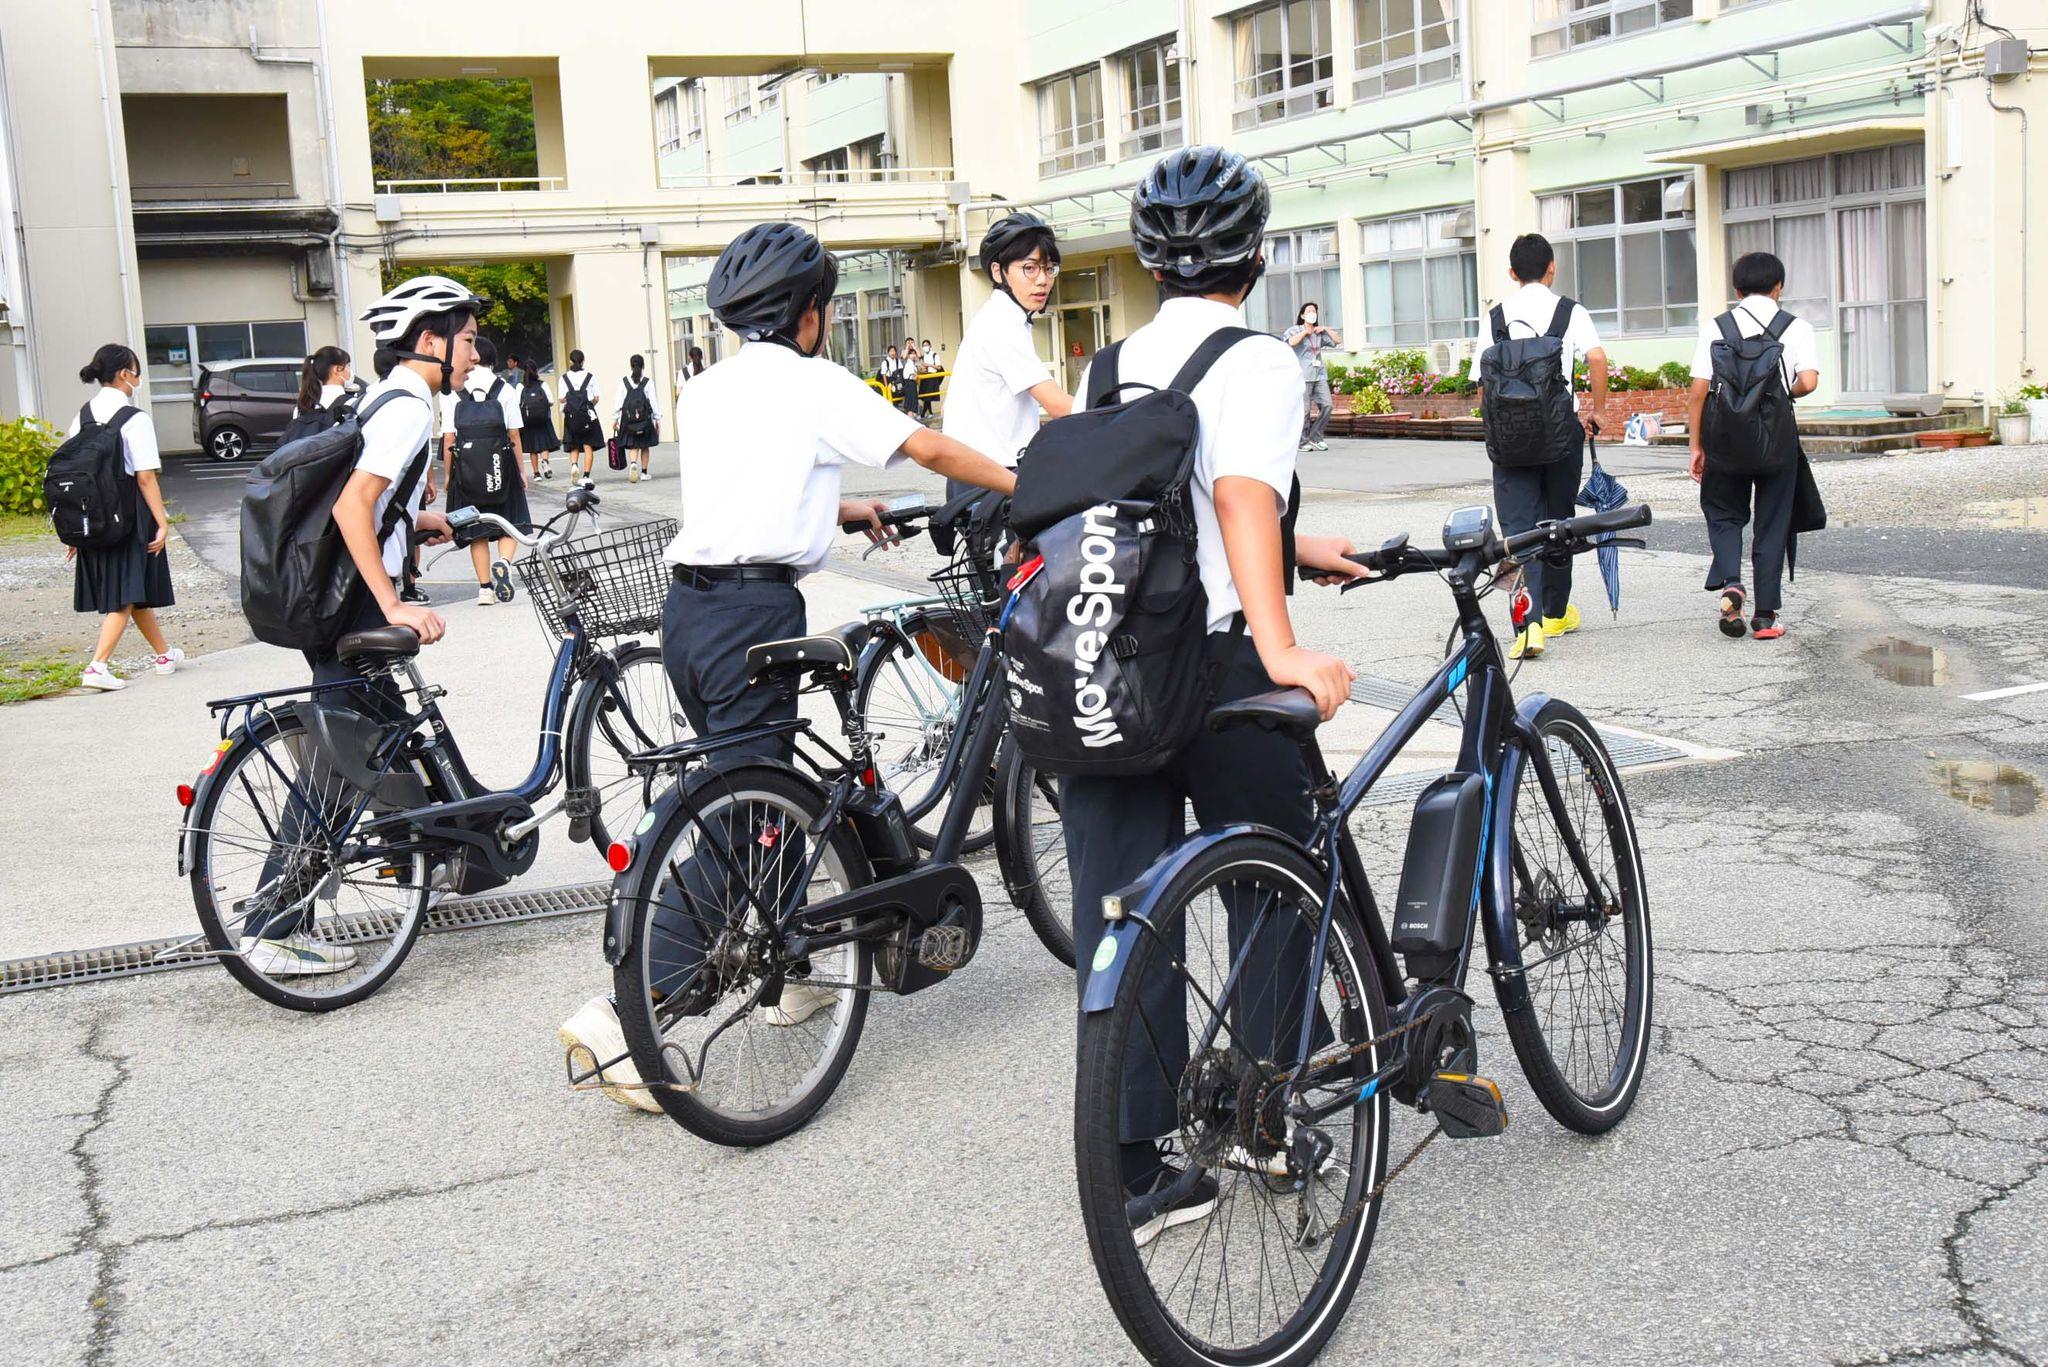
(2035, 397)
(2014, 423)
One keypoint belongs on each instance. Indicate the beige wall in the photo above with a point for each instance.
(208, 146)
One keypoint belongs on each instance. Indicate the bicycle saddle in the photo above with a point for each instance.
(1291, 711)
(835, 650)
(378, 645)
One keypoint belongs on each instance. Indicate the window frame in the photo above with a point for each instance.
(1588, 11)
(692, 101)
(1465, 253)
(164, 385)
(668, 121)
(1081, 152)
(1328, 269)
(1614, 321)
(738, 110)
(1169, 129)
(1369, 79)
(839, 174)
(1248, 107)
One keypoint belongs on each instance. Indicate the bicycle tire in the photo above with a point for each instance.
(936, 635)
(599, 739)
(1032, 852)
(1099, 1101)
(711, 794)
(1595, 786)
(208, 882)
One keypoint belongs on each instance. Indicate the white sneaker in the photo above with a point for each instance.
(101, 676)
(800, 1001)
(594, 1030)
(632, 474)
(485, 595)
(296, 956)
(168, 662)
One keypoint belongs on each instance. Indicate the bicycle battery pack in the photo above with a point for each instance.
(1437, 873)
(346, 739)
(884, 831)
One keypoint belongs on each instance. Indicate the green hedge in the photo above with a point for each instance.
(25, 447)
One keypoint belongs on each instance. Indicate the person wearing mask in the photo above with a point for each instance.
(537, 423)
(1527, 495)
(582, 433)
(1310, 339)
(1728, 496)
(326, 393)
(764, 438)
(482, 387)
(636, 419)
(999, 387)
(127, 582)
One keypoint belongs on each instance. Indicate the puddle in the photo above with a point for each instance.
(1989, 786)
(1907, 663)
(2010, 514)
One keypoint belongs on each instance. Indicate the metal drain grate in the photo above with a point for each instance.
(160, 956)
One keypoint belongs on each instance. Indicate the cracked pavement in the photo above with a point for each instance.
(1837, 1156)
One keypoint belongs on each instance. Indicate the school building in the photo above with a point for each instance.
(198, 178)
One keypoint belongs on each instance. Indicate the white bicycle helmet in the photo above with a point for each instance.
(399, 307)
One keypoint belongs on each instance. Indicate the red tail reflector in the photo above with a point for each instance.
(867, 777)
(184, 794)
(619, 856)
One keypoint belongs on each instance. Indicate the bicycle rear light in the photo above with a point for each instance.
(619, 856)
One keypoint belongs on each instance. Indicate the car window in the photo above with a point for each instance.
(267, 380)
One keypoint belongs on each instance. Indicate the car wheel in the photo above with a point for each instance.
(228, 443)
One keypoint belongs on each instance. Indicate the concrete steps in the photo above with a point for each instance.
(1847, 436)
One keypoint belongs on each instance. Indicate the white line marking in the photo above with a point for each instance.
(2012, 692)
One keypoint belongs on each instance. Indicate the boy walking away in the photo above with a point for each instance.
(481, 425)
(763, 436)
(1535, 429)
(1749, 366)
(998, 385)
(1310, 339)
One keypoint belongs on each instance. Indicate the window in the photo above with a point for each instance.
(1301, 267)
(1283, 62)
(739, 98)
(845, 344)
(278, 339)
(1070, 122)
(174, 352)
(1624, 255)
(768, 97)
(1562, 24)
(1403, 44)
(668, 120)
(267, 379)
(693, 109)
(1421, 284)
(1783, 210)
(884, 310)
(1152, 108)
(831, 166)
(818, 78)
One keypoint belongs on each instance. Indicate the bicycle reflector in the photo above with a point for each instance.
(619, 856)
(184, 794)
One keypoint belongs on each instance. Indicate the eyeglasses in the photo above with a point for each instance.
(1040, 270)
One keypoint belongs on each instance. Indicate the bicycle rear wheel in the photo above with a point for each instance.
(260, 859)
(1032, 849)
(1583, 1038)
(617, 715)
(909, 698)
(1264, 1274)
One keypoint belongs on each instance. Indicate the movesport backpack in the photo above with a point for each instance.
(483, 448)
(1104, 641)
(637, 408)
(1527, 401)
(1747, 427)
(298, 580)
(87, 488)
(318, 419)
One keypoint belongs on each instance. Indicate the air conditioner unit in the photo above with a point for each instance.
(1444, 356)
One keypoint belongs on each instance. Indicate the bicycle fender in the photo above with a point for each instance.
(1139, 899)
(1503, 942)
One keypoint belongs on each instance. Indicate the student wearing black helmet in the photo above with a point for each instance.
(1198, 221)
(760, 504)
(998, 384)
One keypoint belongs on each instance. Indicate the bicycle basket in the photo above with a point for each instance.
(614, 580)
(969, 586)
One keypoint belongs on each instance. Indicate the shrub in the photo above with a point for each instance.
(25, 447)
(1371, 399)
(1459, 381)
(2033, 391)
(1675, 374)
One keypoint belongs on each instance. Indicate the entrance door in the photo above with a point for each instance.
(1083, 330)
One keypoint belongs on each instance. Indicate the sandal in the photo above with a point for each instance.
(1732, 600)
(1764, 626)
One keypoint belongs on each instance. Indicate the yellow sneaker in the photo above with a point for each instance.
(1529, 642)
(1558, 626)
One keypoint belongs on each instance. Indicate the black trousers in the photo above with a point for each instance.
(1727, 500)
(1527, 495)
(1117, 826)
(705, 636)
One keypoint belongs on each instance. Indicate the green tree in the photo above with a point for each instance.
(517, 319)
(451, 129)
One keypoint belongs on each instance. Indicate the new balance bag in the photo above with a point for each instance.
(1747, 427)
(483, 450)
(87, 487)
(298, 580)
(1103, 645)
(1526, 401)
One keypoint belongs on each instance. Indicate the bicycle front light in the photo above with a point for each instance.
(1113, 907)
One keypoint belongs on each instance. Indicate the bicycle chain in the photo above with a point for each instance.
(1348, 1216)
(1353, 1052)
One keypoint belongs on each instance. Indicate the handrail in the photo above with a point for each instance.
(782, 180)
(470, 184)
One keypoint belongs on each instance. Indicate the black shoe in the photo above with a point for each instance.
(413, 593)
(1177, 1196)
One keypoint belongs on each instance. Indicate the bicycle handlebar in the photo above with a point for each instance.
(467, 525)
(1571, 535)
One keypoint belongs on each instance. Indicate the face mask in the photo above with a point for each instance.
(1309, 317)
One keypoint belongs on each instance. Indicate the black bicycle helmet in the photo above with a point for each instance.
(1020, 228)
(765, 279)
(1199, 215)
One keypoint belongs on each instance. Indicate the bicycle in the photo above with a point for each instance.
(1244, 993)
(769, 899)
(335, 812)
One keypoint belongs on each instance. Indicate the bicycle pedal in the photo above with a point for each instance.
(1466, 1105)
(944, 948)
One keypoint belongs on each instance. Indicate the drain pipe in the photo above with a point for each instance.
(2025, 368)
(330, 172)
(124, 227)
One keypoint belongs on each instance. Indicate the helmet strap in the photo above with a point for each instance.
(447, 370)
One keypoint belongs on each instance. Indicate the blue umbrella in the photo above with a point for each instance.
(1604, 493)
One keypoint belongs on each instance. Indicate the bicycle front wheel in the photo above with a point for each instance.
(909, 698)
(1583, 1038)
(1032, 849)
(1256, 1245)
(621, 711)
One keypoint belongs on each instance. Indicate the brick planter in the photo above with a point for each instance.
(1436, 405)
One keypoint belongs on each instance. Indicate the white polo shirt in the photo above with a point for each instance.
(1529, 310)
(619, 398)
(391, 438)
(988, 403)
(138, 435)
(478, 385)
(1754, 314)
(763, 435)
(1249, 406)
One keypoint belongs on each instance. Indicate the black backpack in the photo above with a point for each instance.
(483, 448)
(317, 419)
(637, 408)
(1103, 647)
(1747, 427)
(534, 403)
(1527, 401)
(87, 487)
(576, 402)
(299, 583)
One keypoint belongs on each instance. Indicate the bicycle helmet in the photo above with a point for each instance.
(766, 278)
(1019, 229)
(392, 316)
(1199, 215)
